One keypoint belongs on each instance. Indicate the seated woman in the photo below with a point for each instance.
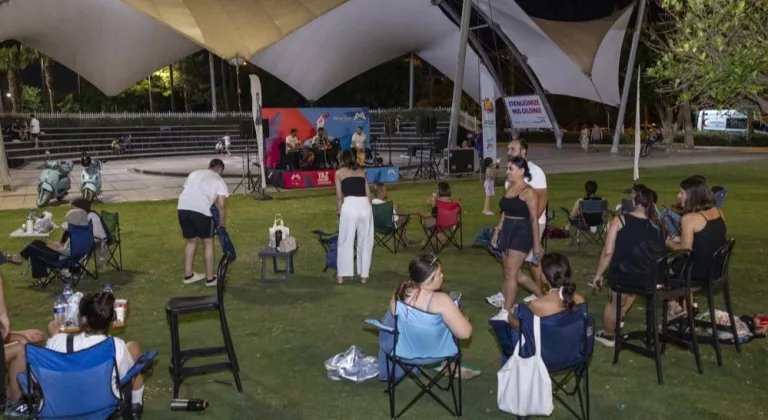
(15, 359)
(97, 311)
(562, 299)
(590, 194)
(99, 230)
(443, 193)
(433, 308)
(40, 253)
(702, 228)
(380, 196)
(639, 229)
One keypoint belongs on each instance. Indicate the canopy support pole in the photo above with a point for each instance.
(458, 80)
(211, 70)
(410, 82)
(628, 77)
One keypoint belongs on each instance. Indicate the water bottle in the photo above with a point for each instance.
(59, 311)
(108, 289)
(188, 405)
(67, 293)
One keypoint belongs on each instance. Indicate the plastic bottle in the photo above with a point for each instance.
(189, 405)
(59, 310)
(67, 293)
(108, 289)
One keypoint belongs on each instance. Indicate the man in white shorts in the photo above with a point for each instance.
(519, 148)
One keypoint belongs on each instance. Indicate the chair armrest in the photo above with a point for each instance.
(379, 325)
(143, 363)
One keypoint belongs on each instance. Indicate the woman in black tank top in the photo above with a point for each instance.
(625, 234)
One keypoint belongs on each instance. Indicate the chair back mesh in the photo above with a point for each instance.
(421, 335)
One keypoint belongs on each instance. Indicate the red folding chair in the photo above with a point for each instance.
(446, 227)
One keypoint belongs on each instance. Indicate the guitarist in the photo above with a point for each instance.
(293, 150)
(321, 144)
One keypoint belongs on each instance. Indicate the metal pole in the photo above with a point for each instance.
(458, 80)
(410, 83)
(213, 82)
(149, 89)
(628, 77)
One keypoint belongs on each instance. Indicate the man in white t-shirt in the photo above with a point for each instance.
(202, 189)
(358, 144)
(293, 150)
(34, 128)
(227, 142)
(519, 148)
(97, 311)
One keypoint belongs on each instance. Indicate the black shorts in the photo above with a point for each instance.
(516, 235)
(195, 225)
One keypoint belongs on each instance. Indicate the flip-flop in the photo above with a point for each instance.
(6, 259)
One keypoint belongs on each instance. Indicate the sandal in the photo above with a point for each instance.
(14, 259)
(339, 281)
(363, 280)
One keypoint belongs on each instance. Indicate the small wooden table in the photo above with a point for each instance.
(25, 238)
(275, 254)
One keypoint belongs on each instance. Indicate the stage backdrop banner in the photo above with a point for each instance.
(384, 174)
(256, 111)
(339, 123)
(527, 112)
(488, 95)
(309, 179)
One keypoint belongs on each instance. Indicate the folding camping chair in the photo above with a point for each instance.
(447, 224)
(590, 224)
(385, 228)
(568, 342)
(114, 240)
(420, 341)
(80, 385)
(80, 250)
(329, 243)
(720, 197)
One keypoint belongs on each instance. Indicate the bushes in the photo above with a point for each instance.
(700, 138)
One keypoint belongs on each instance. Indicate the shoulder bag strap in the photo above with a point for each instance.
(537, 335)
(70, 343)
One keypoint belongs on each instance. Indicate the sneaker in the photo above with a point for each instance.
(496, 300)
(136, 411)
(529, 299)
(489, 213)
(503, 315)
(195, 277)
(211, 283)
(607, 340)
(19, 409)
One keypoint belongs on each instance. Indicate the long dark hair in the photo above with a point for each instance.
(522, 164)
(646, 198)
(557, 271)
(590, 188)
(98, 311)
(348, 160)
(420, 270)
(698, 196)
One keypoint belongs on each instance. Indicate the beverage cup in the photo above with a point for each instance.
(121, 305)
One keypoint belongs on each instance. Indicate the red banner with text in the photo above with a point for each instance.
(309, 179)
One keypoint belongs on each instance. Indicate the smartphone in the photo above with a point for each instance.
(456, 298)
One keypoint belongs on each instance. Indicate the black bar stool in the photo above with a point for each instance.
(194, 304)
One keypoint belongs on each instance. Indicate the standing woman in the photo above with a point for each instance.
(355, 217)
(517, 232)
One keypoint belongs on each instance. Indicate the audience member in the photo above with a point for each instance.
(489, 186)
(353, 207)
(590, 194)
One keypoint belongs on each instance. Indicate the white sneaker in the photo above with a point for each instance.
(529, 299)
(496, 300)
(488, 213)
(211, 283)
(503, 315)
(195, 278)
(608, 341)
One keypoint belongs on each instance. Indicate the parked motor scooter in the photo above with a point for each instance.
(90, 181)
(54, 181)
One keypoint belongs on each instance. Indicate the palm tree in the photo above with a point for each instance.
(47, 64)
(14, 60)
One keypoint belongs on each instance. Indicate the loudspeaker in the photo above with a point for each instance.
(462, 161)
(426, 125)
(247, 130)
(442, 142)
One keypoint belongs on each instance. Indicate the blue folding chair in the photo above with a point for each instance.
(567, 344)
(83, 385)
(227, 247)
(80, 251)
(411, 343)
(720, 197)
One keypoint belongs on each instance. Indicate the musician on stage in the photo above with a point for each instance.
(320, 145)
(358, 144)
(293, 150)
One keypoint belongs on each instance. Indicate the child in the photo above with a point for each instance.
(490, 177)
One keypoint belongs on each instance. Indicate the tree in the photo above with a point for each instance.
(47, 64)
(14, 60)
(5, 174)
(714, 53)
(32, 99)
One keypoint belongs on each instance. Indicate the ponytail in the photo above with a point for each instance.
(557, 271)
(567, 291)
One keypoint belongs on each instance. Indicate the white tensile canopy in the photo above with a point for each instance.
(579, 59)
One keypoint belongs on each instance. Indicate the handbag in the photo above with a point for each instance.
(287, 244)
(278, 224)
(525, 388)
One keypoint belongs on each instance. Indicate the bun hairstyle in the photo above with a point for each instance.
(97, 310)
(522, 164)
(646, 198)
(421, 270)
(557, 270)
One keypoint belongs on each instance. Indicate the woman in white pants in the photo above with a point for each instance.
(355, 217)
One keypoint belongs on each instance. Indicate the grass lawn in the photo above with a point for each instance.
(283, 334)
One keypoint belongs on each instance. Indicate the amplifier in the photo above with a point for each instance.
(462, 161)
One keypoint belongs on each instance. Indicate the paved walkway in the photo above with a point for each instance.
(124, 180)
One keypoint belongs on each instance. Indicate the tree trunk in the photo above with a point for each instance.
(750, 129)
(224, 85)
(5, 173)
(173, 89)
(669, 122)
(48, 76)
(13, 88)
(688, 125)
(184, 94)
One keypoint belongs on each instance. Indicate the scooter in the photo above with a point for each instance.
(90, 181)
(54, 181)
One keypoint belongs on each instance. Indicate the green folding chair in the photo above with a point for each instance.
(114, 241)
(387, 233)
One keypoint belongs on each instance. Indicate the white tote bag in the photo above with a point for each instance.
(525, 388)
(278, 224)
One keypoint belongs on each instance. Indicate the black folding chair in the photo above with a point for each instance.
(590, 224)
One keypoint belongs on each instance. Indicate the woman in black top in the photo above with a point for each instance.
(355, 218)
(517, 232)
(626, 233)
